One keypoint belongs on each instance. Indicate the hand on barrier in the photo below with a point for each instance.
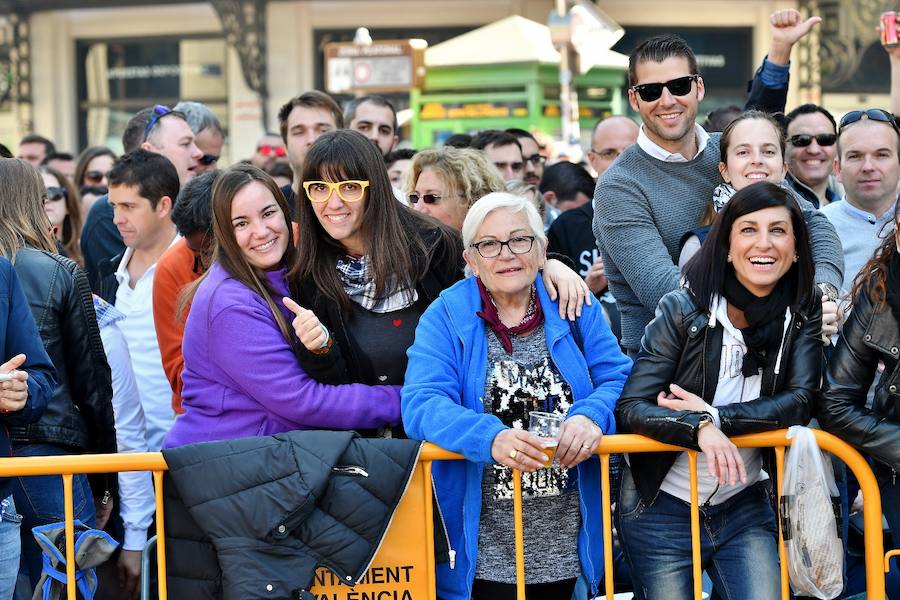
(13, 391)
(681, 399)
(723, 460)
(519, 449)
(572, 290)
(129, 566)
(578, 438)
(307, 327)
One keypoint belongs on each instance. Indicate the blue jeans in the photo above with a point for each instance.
(738, 545)
(40, 501)
(10, 547)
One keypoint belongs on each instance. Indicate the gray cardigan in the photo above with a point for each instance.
(642, 209)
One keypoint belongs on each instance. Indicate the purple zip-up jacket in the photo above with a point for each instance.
(241, 378)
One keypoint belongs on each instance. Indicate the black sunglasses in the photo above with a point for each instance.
(873, 114)
(55, 194)
(208, 159)
(680, 86)
(426, 198)
(801, 140)
(159, 111)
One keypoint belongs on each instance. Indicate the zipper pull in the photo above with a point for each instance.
(893, 477)
(452, 558)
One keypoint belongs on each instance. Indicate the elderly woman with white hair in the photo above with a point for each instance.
(488, 352)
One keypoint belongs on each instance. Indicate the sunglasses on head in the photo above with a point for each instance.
(873, 114)
(801, 140)
(278, 151)
(208, 159)
(680, 86)
(55, 194)
(426, 198)
(159, 111)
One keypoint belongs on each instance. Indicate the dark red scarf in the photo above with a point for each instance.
(533, 317)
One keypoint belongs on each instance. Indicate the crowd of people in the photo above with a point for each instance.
(686, 282)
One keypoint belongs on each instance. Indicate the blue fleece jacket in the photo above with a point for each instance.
(442, 403)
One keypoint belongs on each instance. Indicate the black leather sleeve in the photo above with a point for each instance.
(851, 370)
(802, 369)
(653, 371)
(89, 376)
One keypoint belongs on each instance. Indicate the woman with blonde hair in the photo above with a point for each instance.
(444, 182)
(79, 416)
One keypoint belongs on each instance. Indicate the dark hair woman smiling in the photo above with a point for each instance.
(734, 352)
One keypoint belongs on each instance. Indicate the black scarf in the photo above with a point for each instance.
(893, 285)
(765, 318)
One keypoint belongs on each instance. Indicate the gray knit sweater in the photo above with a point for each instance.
(643, 207)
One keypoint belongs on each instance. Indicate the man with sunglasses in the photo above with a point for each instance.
(208, 133)
(504, 150)
(811, 135)
(157, 129)
(658, 189)
(868, 166)
(269, 150)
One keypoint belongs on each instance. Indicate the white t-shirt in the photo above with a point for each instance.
(732, 387)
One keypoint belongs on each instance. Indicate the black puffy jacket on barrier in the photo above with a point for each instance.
(273, 509)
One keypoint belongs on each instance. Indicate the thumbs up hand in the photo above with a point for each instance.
(307, 327)
(788, 28)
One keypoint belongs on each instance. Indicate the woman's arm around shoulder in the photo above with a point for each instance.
(247, 347)
(433, 392)
(607, 366)
(655, 368)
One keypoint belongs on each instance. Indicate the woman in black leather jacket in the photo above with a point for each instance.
(79, 416)
(736, 351)
(870, 336)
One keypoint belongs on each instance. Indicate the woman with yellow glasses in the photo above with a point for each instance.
(368, 266)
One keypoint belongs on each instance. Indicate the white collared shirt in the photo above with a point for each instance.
(140, 334)
(660, 153)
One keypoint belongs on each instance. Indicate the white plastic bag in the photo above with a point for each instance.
(810, 519)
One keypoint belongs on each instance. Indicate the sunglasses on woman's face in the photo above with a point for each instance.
(426, 198)
(94, 177)
(55, 194)
(266, 150)
(680, 86)
(801, 140)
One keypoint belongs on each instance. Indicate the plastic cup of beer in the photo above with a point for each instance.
(545, 425)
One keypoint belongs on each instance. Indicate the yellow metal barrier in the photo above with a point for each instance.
(420, 503)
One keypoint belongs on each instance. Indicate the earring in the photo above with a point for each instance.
(796, 257)
(728, 258)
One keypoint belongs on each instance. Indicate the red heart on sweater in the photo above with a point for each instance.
(397, 322)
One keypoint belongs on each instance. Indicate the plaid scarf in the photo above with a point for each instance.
(356, 274)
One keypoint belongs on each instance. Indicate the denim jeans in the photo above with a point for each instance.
(10, 547)
(40, 501)
(738, 545)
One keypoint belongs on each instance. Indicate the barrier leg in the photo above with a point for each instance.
(520, 539)
(145, 567)
(70, 536)
(608, 579)
(695, 527)
(160, 536)
(782, 554)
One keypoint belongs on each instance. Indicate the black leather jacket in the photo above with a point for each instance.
(680, 347)
(870, 335)
(79, 416)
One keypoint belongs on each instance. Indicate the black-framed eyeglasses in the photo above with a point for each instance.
(521, 244)
(426, 198)
(680, 86)
(208, 159)
(536, 159)
(801, 140)
(874, 114)
(55, 194)
(159, 111)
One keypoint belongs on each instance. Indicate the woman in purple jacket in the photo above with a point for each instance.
(241, 374)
